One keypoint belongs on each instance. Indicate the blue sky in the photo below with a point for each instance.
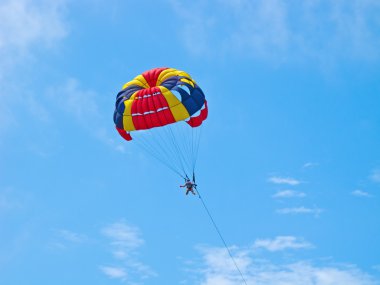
(289, 163)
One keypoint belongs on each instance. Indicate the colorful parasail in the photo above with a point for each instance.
(163, 109)
(159, 97)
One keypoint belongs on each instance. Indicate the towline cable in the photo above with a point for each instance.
(221, 237)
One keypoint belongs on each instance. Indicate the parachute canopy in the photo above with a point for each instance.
(156, 98)
(164, 109)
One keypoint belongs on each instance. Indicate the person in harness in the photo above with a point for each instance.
(189, 186)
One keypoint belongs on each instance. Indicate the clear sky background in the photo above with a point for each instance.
(289, 163)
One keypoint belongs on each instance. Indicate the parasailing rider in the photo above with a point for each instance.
(189, 186)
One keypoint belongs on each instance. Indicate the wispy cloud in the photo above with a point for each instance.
(75, 100)
(284, 180)
(64, 239)
(125, 241)
(196, 25)
(82, 105)
(281, 30)
(300, 210)
(375, 175)
(282, 243)
(71, 236)
(360, 193)
(309, 165)
(289, 194)
(27, 22)
(220, 261)
(114, 272)
(123, 237)
(376, 267)
(26, 26)
(216, 269)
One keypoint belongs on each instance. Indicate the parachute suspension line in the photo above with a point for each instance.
(192, 149)
(147, 148)
(177, 148)
(173, 154)
(157, 144)
(221, 237)
(196, 144)
(177, 138)
(168, 144)
(143, 143)
(162, 151)
(186, 144)
(187, 134)
(174, 149)
(193, 132)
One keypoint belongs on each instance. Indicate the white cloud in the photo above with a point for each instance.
(195, 26)
(221, 261)
(300, 210)
(82, 104)
(284, 180)
(123, 236)
(26, 26)
(282, 31)
(38, 110)
(375, 175)
(114, 272)
(125, 241)
(282, 243)
(216, 269)
(76, 101)
(261, 27)
(309, 165)
(360, 193)
(71, 236)
(64, 239)
(27, 22)
(376, 267)
(289, 194)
